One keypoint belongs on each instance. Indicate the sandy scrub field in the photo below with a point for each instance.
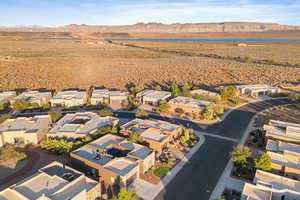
(279, 52)
(57, 64)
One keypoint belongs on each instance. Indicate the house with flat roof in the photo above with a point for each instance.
(158, 134)
(187, 105)
(267, 186)
(116, 160)
(80, 124)
(38, 97)
(152, 97)
(283, 131)
(69, 98)
(30, 130)
(7, 96)
(257, 90)
(285, 157)
(54, 182)
(115, 99)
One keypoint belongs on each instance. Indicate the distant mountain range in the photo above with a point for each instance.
(161, 28)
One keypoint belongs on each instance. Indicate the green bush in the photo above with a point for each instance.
(57, 146)
(55, 116)
(4, 117)
(126, 194)
(105, 112)
(8, 153)
(239, 155)
(228, 92)
(263, 162)
(20, 104)
(161, 172)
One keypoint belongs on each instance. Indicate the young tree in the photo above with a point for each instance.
(175, 90)
(248, 59)
(239, 155)
(55, 116)
(105, 112)
(228, 92)
(125, 194)
(263, 162)
(208, 113)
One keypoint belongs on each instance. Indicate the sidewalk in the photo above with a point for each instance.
(149, 191)
(225, 180)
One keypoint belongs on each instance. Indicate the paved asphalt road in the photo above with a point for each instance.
(198, 178)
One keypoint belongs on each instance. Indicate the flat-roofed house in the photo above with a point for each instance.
(80, 124)
(284, 131)
(116, 160)
(158, 134)
(285, 157)
(38, 97)
(257, 90)
(115, 99)
(69, 98)
(54, 182)
(187, 105)
(267, 186)
(152, 97)
(24, 130)
(6, 97)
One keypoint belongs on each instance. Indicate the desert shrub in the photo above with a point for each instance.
(55, 116)
(136, 89)
(9, 153)
(105, 112)
(228, 92)
(126, 194)
(2, 107)
(4, 117)
(248, 59)
(162, 107)
(20, 104)
(219, 109)
(157, 87)
(209, 113)
(175, 90)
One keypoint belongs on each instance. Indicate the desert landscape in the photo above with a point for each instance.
(69, 58)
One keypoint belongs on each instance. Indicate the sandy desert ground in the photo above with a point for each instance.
(57, 64)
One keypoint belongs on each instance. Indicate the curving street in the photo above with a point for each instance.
(198, 178)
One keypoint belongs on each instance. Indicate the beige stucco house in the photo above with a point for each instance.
(116, 160)
(69, 98)
(54, 182)
(80, 124)
(24, 130)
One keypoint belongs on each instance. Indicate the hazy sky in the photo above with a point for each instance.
(115, 12)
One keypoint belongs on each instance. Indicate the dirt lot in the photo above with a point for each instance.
(57, 64)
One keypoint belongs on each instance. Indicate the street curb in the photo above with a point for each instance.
(167, 179)
(218, 190)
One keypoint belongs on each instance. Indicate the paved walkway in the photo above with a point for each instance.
(149, 191)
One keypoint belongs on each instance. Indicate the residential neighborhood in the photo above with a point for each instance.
(104, 148)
